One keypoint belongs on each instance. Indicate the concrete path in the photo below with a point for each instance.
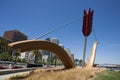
(4, 77)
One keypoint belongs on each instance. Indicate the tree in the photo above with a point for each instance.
(54, 60)
(24, 60)
(37, 54)
(16, 55)
(76, 61)
(80, 62)
(5, 57)
(3, 45)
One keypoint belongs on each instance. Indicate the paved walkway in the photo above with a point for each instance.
(3, 77)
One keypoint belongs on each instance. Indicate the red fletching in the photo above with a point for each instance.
(84, 23)
(87, 22)
(89, 27)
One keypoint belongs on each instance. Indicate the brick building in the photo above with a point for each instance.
(14, 35)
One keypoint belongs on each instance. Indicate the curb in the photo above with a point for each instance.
(15, 71)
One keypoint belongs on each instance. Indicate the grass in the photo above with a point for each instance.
(59, 74)
(108, 75)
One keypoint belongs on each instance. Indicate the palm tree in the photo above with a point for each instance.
(55, 60)
(3, 45)
(80, 62)
(76, 61)
(5, 57)
(16, 55)
(37, 54)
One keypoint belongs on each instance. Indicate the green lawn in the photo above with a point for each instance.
(108, 75)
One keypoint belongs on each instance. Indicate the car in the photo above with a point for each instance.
(16, 67)
(34, 65)
(1, 67)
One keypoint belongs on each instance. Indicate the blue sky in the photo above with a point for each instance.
(36, 17)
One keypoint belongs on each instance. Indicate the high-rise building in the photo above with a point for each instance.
(55, 40)
(68, 50)
(69, 53)
(15, 35)
(47, 39)
(72, 56)
(45, 53)
(61, 45)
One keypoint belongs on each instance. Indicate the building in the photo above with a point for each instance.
(45, 58)
(61, 45)
(68, 50)
(14, 35)
(45, 53)
(27, 56)
(56, 41)
(70, 54)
